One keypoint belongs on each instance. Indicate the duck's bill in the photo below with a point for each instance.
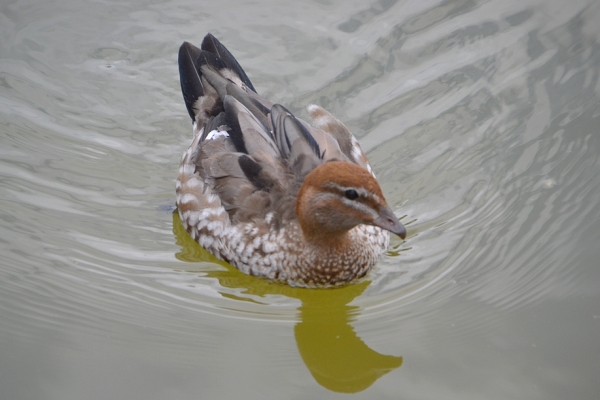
(388, 221)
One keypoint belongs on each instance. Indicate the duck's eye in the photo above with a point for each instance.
(351, 194)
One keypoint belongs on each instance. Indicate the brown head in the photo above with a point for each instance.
(337, 196)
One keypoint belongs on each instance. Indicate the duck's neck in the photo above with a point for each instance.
(332, 260)
(327, 240)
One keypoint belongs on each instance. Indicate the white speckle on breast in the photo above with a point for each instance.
(188, 198)
(193, 183)
(191, 217)
(215, 227)
(206, 241)
(269, 247)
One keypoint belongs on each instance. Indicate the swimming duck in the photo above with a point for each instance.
(267, 192)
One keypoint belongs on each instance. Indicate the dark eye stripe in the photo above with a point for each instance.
(351, 194)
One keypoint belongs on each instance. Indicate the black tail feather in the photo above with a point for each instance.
(189, 76)
(214, 55)
(212, 45)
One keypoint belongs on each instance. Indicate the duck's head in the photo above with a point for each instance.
(337, 196)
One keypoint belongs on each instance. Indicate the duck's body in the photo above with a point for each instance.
(268, 193)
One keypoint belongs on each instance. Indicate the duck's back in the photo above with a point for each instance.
(251, 154)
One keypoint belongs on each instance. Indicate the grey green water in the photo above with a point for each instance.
(480, 118)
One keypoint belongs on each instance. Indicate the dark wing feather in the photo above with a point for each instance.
(248, 134)
(211, 45)
(191, 84)
(294, 141)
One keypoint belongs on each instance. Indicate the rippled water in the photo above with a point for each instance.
(480, 118)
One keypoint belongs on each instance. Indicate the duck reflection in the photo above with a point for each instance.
(333, 353)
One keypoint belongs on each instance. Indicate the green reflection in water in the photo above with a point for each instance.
(335, 356)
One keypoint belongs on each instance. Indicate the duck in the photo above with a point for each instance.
(270, 194)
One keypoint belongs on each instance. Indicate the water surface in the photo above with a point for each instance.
(481, 120)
